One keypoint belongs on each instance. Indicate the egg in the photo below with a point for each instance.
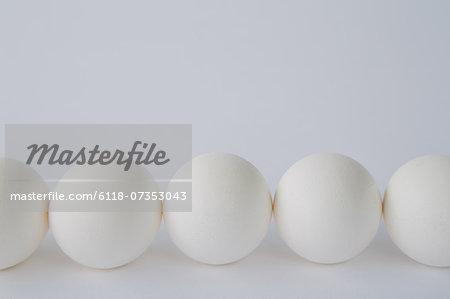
(108, 238)
(231, 210)
(21, 230)
(327, 208)
(417, 209)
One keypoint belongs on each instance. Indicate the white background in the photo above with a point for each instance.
(271, 81)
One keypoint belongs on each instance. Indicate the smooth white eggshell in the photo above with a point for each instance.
(21, 232)
(327, 208)
(110, 239)
(231, 210)
(417, 209)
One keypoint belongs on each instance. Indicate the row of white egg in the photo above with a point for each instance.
(327, 209)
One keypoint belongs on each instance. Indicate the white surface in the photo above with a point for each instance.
(327, 208)
(231, 210)
(417, 209)
(271, 81)
(271, 271)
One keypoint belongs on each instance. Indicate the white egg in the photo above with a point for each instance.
(21, 231)
(104, 239)
(327, 208)
(417, 209)
(231, 210)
